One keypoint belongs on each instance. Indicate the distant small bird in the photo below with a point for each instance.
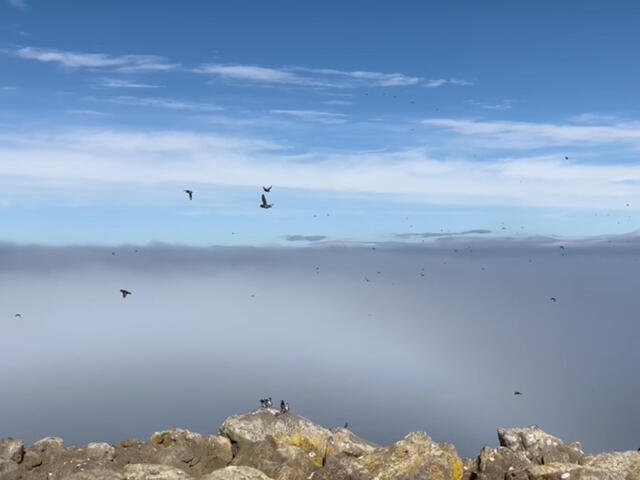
(346, 425)
(18, 315)
(190, 193)
(561, 247)
(517, 393)
(269, 402)
(553, 299)
(366, 279)
(124, 293)
(267, 189)
(284, 406)
(113, 253)
(566, 158)
(264, 202)
(266, 402)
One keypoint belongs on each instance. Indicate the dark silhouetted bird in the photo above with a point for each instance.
(284, 406)
(267, 189)
(553, 299)
(264, 203)
(190, 193)
(124, 293)
(517, 393)
(346, 425)
(566, 158)
(18, 315)
(366, 279)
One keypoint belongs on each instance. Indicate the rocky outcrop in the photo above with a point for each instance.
(267, 445)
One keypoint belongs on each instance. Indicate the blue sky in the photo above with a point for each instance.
(370, 119)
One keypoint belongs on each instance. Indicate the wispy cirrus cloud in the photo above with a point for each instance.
(120, 63)
(505, 104)
(167, 103)
(119, 83)
(317, 77)
(440, 82)
(314, 115)
(523, 135)
(441, 234)
(304, 238)
(147, 158)
(21, 4)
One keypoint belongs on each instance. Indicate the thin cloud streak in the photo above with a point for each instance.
(21, 4)
(511, 134)
(314, 115)
(122, 63)
(119, 83)
(167, 103)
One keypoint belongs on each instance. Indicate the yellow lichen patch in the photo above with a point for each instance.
(308, 445)
(458, 470)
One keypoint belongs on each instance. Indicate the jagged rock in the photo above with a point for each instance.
(11, 449)
(469, 469)
(9, 470)
(540, 447)
(345, 441)
(95, 474)
(501, 463)
(191, 452)
(415, 457)
(283, 462)
(145, 471)
(287, 429)
(568, 471)
(101, 451)
(236, 473)
(31, 459)
(624, 464)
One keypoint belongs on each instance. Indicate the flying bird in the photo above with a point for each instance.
(517, 393)
(190, 193)
(264, 202)
(18, 315)
(566, 158)
(124, 292)
(267, 189)
(367, 279)
(553, 299)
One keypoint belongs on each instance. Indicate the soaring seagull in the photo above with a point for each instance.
(124, 292)
(18, 315)
(267, 189)
(190, 193)
(517, 393)
(264, 202)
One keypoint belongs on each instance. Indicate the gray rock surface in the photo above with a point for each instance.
(236, 473)
(264, 445)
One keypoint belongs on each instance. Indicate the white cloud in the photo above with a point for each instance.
(21, 4)
(503, 105)
(122, 63)
(119, 83)
(314, 115)
(439, 82)
(84, 111)
(506, 134)
(340, 103)
(309, 77)
(149, 158)
(168, 103)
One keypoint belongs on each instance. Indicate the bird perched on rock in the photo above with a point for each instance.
(267, 189)
(346, 425)
(264, 203)
(124, 292)
(517, 393)
(190, 193)
(284, 406)
(266, 402)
